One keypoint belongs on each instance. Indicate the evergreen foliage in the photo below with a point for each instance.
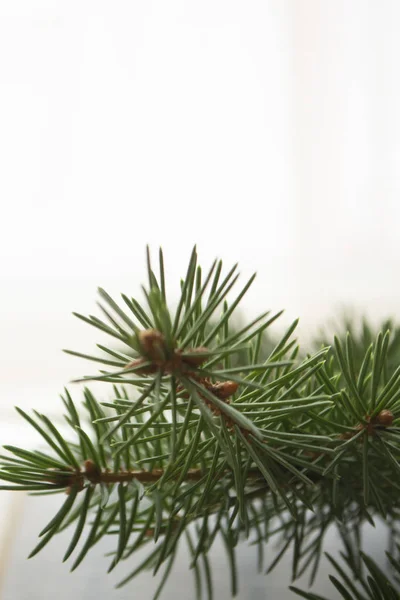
(214, 432)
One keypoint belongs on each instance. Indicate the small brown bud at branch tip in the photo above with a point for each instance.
(152, 343)
(385, 418)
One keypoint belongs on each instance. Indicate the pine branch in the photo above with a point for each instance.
(216, 428)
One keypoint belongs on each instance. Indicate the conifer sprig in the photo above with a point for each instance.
(212, 432)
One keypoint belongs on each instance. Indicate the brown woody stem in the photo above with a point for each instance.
(93, 474)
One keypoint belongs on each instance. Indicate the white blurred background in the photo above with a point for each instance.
(265, 131)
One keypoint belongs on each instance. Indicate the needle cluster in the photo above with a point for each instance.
(211, 432)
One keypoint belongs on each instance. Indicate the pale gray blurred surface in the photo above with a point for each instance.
(44, 576)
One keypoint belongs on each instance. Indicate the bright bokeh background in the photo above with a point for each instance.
(265, 131)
